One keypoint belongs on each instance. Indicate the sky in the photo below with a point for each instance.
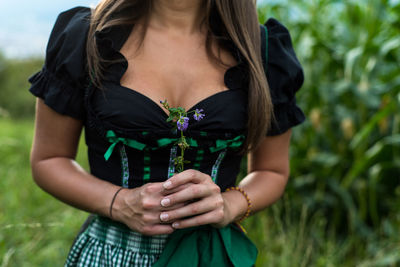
(25, 25)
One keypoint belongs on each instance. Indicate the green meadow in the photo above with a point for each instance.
(342, 203)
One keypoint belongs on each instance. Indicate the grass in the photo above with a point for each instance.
(37, 230)
(287, 240)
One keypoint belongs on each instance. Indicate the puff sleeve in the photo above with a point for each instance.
(61, 82)
(284, 74)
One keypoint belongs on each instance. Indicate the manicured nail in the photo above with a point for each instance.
(175, 225)
(167, 184)
(165, 202)
(164, 216)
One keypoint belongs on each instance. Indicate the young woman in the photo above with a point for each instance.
(106, 71)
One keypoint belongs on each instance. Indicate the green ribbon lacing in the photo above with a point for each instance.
(114, 140)
(219, 145)
(199, 158)
(230, 143)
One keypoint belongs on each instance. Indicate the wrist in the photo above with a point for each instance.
(235, 204)
(116, 204)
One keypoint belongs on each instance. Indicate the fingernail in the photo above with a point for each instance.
(164, 216)
(167, 184)
(165, 202)
(175, 225)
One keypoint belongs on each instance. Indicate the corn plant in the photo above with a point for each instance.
(346, 157)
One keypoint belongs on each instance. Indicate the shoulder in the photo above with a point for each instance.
(275, 27)
(281, 63)
(284, 74)
(62, 80)
(275, 33)
(71, 23)
(74, 17)
(66, 48)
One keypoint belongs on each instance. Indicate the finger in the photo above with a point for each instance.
(153, 188)
(150, 218)
(157, 229)
(184, 177)
(173, 207)
(215, 216)
(153, 204)
(196, 208)
(175, 189)
(193, 192)
(151, 195)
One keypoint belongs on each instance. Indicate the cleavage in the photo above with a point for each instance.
(163, 69)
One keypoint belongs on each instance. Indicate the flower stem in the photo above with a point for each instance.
(180, 121)
(182, 150)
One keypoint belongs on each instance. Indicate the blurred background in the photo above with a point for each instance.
(342, 204)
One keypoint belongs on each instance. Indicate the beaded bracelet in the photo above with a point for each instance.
(249, 205)
(113, 199)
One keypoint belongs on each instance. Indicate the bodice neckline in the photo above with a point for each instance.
(161, 110)
(110, 41)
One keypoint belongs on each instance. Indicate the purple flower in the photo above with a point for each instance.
(182, 123)
(165, 104)
(198, 115)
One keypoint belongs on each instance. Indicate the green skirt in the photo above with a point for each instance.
(108, 243)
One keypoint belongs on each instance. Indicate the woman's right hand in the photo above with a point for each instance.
(140, 209)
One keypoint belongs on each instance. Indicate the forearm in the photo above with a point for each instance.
(263, 189)
(66, 180)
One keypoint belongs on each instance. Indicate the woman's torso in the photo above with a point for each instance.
(132, 114)
(173, 68)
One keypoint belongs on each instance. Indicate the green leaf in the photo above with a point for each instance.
(362, 135)
(362, 164)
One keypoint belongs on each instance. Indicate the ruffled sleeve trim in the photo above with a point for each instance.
(287, 115)
(285, 77)
(61, 82)
(57, 94)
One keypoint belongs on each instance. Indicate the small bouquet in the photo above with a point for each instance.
(179, 118)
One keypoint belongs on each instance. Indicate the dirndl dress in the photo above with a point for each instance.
(107, 243)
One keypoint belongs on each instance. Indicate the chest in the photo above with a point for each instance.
(173, 67)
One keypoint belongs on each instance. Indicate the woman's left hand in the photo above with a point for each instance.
(204, 202)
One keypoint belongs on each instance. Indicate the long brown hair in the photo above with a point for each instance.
(239, 24)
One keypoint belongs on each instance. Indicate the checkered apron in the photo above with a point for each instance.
(107, 243)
